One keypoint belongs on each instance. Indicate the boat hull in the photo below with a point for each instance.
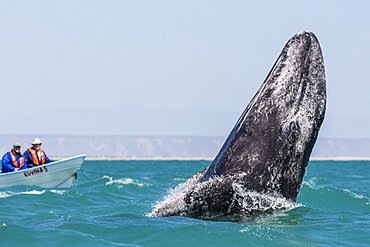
(60, 173)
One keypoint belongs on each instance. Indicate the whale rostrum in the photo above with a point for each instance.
(261, 165)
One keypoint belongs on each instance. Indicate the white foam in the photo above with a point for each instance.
(355, 195)
(5, 194)
(60, 192)
(125, 181)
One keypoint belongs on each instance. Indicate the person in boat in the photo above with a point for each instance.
(13, 160)
(34, 155)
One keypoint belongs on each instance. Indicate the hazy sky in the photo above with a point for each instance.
(169, 67)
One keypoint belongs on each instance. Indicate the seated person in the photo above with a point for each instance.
(13, 159)
(34, 155)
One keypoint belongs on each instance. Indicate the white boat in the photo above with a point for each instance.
(59, 173)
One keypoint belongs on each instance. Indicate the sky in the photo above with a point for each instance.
(169, 68)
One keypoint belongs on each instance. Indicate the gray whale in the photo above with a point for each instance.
(261, 165)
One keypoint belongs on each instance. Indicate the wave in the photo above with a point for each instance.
(333, 199)
(5, 194)
(125, 181)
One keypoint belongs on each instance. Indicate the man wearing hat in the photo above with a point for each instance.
(34, 155)
(13, 160)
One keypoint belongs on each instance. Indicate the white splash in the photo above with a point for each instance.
(253, 201)
(125, 181)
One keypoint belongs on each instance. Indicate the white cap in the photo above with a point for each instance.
(36, 141)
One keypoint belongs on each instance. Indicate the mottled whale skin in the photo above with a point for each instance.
(261, 165)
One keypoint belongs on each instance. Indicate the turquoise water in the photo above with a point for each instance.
(108, 205)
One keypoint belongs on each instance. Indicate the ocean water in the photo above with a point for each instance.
(109, 204)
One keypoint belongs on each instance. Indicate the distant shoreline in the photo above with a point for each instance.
(339, 158)
(172, 147)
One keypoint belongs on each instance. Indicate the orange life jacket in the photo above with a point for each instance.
(37, 158)
(14, 160)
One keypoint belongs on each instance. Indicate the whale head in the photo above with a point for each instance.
(273, 139)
